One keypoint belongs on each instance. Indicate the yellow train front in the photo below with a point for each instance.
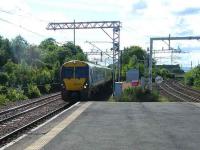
(81, 80)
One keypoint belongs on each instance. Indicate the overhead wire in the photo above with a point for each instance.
(22, 27)
(27, 16)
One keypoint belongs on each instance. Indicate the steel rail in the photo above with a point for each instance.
(182, 87)
(14, 133)
(188, 88)
(171, 93)
(30, 103)
(26, 111)
(190, 97)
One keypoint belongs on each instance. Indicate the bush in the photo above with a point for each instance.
(139, 95)
(3, 89)
(47, 88)
(43, 76)
(15, 94)
(3, 99)
(33, 91)
(189, 79)
(192, 78)
(3, 78)
(128, 95)
(197, 83)
(9, 67)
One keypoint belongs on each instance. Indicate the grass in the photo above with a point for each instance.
(139, 95)
(163, 99)
(193, 87)
(196, 88)
(111, 99)
(3, 99)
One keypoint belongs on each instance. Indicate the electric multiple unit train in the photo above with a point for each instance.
(83, 79)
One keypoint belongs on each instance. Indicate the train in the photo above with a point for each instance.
(83, 80)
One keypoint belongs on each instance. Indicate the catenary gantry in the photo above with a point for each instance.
(115, 37)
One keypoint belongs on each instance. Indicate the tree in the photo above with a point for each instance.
(19, 47)
(24, 66)
(10, 67)
(3, 78)
(63, 53)
(5, 51)
(133, 57)
(48, 44)
(33, 54)
(192, 77)
(164, 73)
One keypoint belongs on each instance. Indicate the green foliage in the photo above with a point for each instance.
(23, 74)
(128, 95)
(3, 89)
(23, 65)
(56, 72)
(10, 67)
(33, 91)
(3, 78)
(3, 99)
(164, 73)
(19, 46)
(43, 76)
(81, 56)
(197, 83)
(5, 51)
(47, 88)
(15, 94)
(138, 94)
(133, 57)
(188, 78)
(48, 44)
(33, 55)
(167, 71)
(192, 78)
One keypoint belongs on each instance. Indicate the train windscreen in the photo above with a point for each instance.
(68, 72)
(81, 72)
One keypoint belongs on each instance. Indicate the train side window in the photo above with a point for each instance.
(91, 75)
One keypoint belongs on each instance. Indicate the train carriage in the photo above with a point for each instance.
(83, 79)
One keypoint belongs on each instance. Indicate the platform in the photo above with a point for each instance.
(120, 126)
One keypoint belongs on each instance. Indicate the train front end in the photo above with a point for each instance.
(74, 76)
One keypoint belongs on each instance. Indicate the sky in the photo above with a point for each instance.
(141, 19)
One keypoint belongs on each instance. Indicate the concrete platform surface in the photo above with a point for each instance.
(131, 126)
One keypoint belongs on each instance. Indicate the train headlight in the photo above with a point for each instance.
(85, 86)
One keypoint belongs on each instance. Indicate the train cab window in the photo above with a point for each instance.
(68, 72)
(82, 72)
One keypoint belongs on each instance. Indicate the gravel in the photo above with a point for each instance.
(29, 117)
(21, 102)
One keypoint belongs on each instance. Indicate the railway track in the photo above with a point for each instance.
(15, 111)
(16, 120)
(188, 89)
(179, 92)
(170, 92)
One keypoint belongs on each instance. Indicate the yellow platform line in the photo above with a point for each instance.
(41, 142)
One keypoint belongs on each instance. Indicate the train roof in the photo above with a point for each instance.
(88, 63)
